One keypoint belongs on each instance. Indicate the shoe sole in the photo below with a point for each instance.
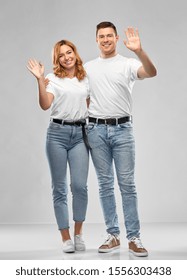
(138, 254)
(80, 249)
(108, 250)
(69, 251)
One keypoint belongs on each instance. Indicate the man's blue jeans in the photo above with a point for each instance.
(115, 143)
(65, 145)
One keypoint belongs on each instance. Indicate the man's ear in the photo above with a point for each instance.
(117, 37)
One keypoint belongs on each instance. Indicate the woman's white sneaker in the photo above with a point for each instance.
(79, 243)
(68, 246)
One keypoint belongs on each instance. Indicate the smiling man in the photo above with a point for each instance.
(107, 39)
(110, 131)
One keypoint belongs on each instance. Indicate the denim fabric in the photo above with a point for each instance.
(115, 143)
(64, 145)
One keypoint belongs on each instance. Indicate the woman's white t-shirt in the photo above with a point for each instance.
(70, 96)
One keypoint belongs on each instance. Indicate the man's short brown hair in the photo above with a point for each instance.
(105, 24)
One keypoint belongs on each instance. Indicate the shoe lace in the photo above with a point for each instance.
(138, 242)
(109, 238)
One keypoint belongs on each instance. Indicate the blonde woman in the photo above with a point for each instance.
(67, 96)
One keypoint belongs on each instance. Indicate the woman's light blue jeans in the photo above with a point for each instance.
(115, 143)
(65, 145)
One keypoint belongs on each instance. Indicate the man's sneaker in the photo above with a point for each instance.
(68, 246)
(111, 243)
(136, 247)
(79, 243)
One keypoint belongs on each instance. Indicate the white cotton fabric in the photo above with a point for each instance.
(69, 97)
(111, 81)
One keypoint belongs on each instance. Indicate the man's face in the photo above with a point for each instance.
(107, 40)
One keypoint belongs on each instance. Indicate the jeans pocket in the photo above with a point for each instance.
(94, 138)
(53, 125)
(90, 126)
(125, 125)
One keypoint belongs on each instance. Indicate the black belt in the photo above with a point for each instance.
(78, 123)
(111, 121)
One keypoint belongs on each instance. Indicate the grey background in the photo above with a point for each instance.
(30, 29)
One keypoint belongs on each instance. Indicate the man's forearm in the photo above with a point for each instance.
(147, 63)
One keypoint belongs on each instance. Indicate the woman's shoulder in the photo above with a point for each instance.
(84, 81)
(51, 76)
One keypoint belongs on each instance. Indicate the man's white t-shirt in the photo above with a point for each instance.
(70, 96)
(111, 81)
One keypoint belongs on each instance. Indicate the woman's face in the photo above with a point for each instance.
(67, 57)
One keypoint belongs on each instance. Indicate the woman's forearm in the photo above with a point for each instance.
(44, 99)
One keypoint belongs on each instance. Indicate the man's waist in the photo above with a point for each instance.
(110, 121)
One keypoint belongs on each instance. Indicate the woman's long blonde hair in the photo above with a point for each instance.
(58, 70)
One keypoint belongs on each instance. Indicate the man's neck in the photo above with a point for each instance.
(104, 55)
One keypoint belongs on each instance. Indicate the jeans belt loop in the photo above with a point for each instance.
(116, 121)
(105, 122)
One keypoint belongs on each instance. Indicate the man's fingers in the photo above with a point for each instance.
(131, 32)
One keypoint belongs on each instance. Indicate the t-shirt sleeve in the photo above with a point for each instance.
(135, 65)
(50, 87)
